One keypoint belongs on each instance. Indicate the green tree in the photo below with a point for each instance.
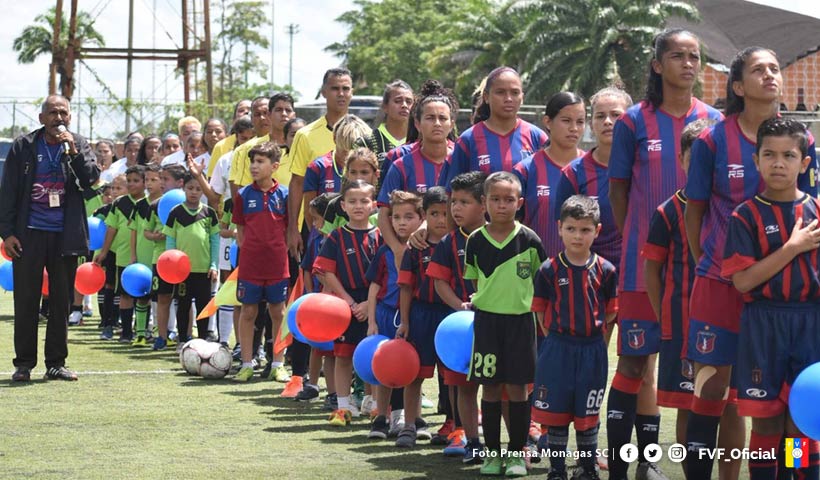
(584, 45)
(394, 39)
(35, 40)
(239, 27)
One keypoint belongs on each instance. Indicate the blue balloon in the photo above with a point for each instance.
(291, 317)
(454, 340)
(233, 253)
(96, 233)
(7, 276)
(136, 280)
(363, 357)
(168, 201)
(326, 346)
(803, 401)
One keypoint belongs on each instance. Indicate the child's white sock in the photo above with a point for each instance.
(247, 365)
(343, 402)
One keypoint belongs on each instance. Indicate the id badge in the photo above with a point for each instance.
(53, 199)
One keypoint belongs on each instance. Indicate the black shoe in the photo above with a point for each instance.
(60, 373)
(379, 428)
(266, 371)
(21, 374)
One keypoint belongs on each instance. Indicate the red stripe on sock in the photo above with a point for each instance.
(626, 384)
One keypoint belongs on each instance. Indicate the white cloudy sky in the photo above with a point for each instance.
(316, 19)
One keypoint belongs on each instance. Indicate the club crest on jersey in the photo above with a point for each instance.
(735, 170)
(483, 160)
(421, 187)
(705, 342)
(542, 191)
(523, 269)
(636, 338)
(654, 145)
(757, 376)
(251, 203)
(770, 229)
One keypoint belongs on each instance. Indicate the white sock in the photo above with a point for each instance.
(172, 318)
(225, 323)
(87, 302)
(276, 364)
(247, 365)
(344, 402)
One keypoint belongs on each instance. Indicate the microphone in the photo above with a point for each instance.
(66, 146)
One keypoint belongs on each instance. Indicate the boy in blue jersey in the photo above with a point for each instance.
(575, 299)
(460, 429)
(383, 304)
(501, 258)
(771, 256)
(421, 312)
(341, 265)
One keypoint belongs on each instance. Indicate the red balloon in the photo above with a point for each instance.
(322, 317)
(44, 290)
(174, 266)
(90, 278)
(396, 363)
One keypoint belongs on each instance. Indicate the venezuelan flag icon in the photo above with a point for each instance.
(797, 452)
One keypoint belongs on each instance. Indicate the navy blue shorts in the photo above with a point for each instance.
(249, 293)
(714, 315)
(675, 375)
(570, 380)
(387, 320)
(356, 331)
(424, 320)
(777, 341)
(639, 332)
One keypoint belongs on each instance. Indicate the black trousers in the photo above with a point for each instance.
(41, 249)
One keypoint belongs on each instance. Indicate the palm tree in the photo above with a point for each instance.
(584, 45)
(35, 40)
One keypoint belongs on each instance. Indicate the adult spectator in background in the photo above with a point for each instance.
(310, 143)
(186, 126)
(242, 108)
(261, 127)
(105, 153)
(279, 112)
(217, 188)
(42, 219)
(131, 148)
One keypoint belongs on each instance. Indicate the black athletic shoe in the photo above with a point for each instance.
(21, 374)
(60, 373)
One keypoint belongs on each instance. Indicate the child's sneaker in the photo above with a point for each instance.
(279, 374)
(584, 474)
(293, 387)
(331, 402)
(75, 318)
(443, 434)
(125, 339)
(88, 313)
(396, 422)
(516, 467)
(553, 475)
(244, 374)
(160, 343)
(473, 453)
(354, 411)
(379, 429)
(340, 418)
(422, 429)
(357, 399)
(494, 465)
(457, 443)
(407, 437)
(426, 402)
(107, 334)
(368, 405)
(139, 342)
(309, 393)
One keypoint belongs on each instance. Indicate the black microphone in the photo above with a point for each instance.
(66, 146)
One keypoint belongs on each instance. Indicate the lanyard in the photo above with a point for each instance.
(54, 167)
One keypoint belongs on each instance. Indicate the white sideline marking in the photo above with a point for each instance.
(111, 372)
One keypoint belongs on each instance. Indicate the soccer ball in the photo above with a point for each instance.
(208, 359)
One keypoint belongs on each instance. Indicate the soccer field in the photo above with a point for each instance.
(135, 414)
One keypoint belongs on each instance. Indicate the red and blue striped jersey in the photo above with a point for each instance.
(539, 176)
(576, 299)
(311, 252)
(723, 173)
(323, 176)
(645, 148)
(383, 272)
(757, 228)
(448, 263)
(413, 272)
(667, 244)
(585, 176)
(412, 173)
(481, 149)
(347, 253)
(395, 154)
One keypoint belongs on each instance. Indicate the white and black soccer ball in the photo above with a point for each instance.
(208, 359)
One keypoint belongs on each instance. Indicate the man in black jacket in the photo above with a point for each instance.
(43, 225)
